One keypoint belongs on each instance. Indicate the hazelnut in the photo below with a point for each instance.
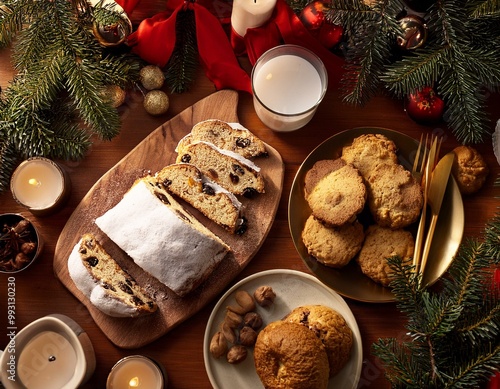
(236, 354)
(264, 296)
(253, 319)
(233, 319)
(218, 345)
(248, 336)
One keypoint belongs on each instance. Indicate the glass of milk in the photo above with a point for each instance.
(288, 84)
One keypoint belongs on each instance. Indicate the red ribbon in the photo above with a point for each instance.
(285, 26)
(155, 38)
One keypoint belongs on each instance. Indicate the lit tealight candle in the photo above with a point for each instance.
(247, 14)
(135, 371)
(288, 84)
(40, 185)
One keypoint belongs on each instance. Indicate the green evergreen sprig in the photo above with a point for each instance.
(453, 338)
(183, 64)
(460, 58)
(54, 105)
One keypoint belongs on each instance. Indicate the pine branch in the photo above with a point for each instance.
(54, 105)
(455, 330)
(460, 57)
(371, 34)
(183, 63)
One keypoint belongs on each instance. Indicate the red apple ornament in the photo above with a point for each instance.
(330, 35)
(425, 106)
(313, 17)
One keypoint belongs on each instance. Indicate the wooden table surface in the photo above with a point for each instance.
(39, 293)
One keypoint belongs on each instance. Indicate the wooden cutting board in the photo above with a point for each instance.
(152, 154)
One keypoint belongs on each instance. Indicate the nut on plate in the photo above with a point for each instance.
(218, 345)
(236, 354)
(264, 296)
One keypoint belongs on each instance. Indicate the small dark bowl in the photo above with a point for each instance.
(30, 234)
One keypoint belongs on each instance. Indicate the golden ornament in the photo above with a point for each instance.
(114, 95)
(152, 77)
(156, 102)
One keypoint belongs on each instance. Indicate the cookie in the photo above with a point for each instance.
(319, 170)
(332, 246)
(368, 151)
(331, 328)
(469, 169)
(338, 197)
(382, 243)
(394, 196)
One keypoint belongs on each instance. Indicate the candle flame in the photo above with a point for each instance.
(34, 182)
(134, 382)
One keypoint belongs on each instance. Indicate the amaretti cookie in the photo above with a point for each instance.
(162, 237)
(319, 170)
(289, 355)
(382, 243)
(368, 151)
(332, 246)
(331, 328)
(233, 172)
(228, 136)
(338, 197)
(218, 204)
(469, 169)
(395, 197)
(108, 287)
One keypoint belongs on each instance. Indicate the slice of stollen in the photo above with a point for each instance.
(218, 204)
(162, 237)
(229, 136)
(110, 288)
(233, 172)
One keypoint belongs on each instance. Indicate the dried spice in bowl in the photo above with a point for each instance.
(19, 243)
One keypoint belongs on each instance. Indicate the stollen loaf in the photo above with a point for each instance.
(162, 237)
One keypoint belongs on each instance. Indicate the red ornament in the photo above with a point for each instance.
(330, 35)
(313, 15)
(425, 106)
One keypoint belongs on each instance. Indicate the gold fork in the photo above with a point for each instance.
(430, 162)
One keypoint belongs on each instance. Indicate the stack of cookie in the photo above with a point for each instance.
(303, 350)
(367, 176)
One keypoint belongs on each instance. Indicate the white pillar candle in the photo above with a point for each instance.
(250, 14)
(135, 371)
(288, 83)
(47, 361)
(39, 184)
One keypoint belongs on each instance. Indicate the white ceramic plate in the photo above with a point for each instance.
(293, 289)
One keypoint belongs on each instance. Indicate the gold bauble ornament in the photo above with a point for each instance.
(114, 95)
(152, 77)
(156, 102)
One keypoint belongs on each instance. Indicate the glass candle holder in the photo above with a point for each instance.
(288, 84)
(136, 371)
(40, 185)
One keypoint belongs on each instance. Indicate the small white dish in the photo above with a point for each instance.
(293, 289)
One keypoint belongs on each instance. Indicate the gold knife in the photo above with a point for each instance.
(437, 188)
